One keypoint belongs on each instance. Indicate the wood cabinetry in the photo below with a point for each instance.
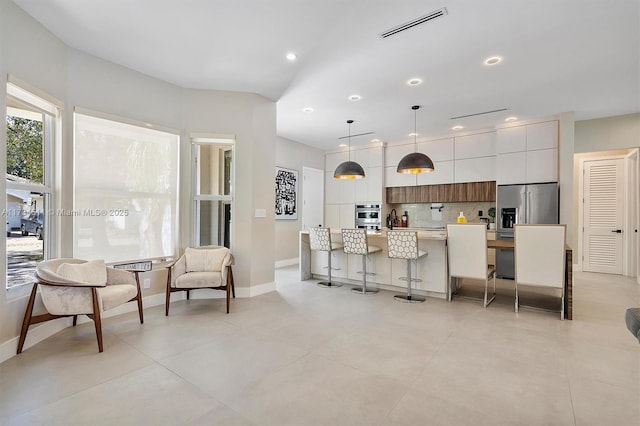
(445, 193)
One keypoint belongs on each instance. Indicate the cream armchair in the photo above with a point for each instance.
(72, 287)
(201, 267)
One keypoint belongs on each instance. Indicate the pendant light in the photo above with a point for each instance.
(349, 169)
(416, 162)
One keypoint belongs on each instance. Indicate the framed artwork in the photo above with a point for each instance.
(286, 194)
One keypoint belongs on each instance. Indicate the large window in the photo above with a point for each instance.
(126, 190)
(213, 185)
(31, 126)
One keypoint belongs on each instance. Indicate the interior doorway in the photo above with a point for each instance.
(312, 197)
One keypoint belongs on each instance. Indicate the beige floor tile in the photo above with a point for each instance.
(150, 396)
(597, 403)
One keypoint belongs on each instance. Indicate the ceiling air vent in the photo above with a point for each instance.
(478, 113)
(421, 20)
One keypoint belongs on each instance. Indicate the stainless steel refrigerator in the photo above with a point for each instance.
(516, 204)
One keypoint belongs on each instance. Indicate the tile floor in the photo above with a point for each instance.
(310, 355)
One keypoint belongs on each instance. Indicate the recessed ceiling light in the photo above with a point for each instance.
(292, 56)
(413, 134)
(511, 119)
(343, 145)
(414, 82)
(355, 98)
(458, 127)
(375, 140)
(307, 110)
(493, 60)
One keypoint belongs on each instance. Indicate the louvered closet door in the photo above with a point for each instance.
(603, 216)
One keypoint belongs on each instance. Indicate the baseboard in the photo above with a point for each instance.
(255, 290)
(36, 334)
(286, 262)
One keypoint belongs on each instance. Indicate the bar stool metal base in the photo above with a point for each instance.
(409, 298)
(366, 291)
(327, 284)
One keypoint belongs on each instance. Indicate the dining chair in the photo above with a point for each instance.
(355, 242)
(539, 258)
(467, 257)
(404, 245)
(320, 240)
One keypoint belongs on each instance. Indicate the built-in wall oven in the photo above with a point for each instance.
(368, 216)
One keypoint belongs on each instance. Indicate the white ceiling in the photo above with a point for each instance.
(559, 55)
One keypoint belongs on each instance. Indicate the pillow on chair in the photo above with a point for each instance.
(91, 272)
(205, 260)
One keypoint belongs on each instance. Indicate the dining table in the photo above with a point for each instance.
(568, 272)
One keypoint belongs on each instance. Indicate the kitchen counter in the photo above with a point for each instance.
(386, 272)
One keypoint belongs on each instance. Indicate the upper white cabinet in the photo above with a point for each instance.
(475, 169)
(511, 139)
(442, 173)
(393, 178)
(511, 168)
(395, 153)
(334, 159)
(369, 189)
(542, 136)
(542, 166)
(438, 150)
(473, 146)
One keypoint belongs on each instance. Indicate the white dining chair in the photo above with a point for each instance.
(467, 257)
(539, 258)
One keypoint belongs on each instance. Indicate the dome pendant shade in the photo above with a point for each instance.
(416, 162)
(349, 170)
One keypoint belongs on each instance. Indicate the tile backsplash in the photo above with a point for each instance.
(422, 215)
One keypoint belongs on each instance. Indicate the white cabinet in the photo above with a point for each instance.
(511, 168)
(368, 157)
(369, 189)
(395, 153)
(331, 189)
(334, 159)
(475, 169)
(542, 166)
(542, 136)
(511, 139)
(347, 216)
(393, 178)
(332, 216)
(438, 150)
(442, 173)
(527, 154)
(478, 145)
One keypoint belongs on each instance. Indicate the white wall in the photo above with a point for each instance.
(293, 155)
(33, 55)
(605, 134)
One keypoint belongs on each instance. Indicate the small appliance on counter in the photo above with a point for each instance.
(404, 221)
(368, 216)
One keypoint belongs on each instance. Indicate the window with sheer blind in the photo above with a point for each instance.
(125, 190)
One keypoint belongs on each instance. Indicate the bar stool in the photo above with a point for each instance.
(355, 242)
(404, 245)
(320, 240)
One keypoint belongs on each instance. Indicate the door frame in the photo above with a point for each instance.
(632, 218)
(625, 247)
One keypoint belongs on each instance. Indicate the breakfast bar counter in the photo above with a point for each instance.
(385, 272)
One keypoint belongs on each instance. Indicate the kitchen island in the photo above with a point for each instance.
(386, 272)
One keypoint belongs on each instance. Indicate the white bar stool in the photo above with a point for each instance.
(320, 240)
(355, 242)
(404, 245)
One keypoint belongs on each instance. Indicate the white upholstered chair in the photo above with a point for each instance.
(467, 256)
(539, 258)
(355, 242)
(72, 287)
(201, 267)
(404, 245)
(320, 240)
